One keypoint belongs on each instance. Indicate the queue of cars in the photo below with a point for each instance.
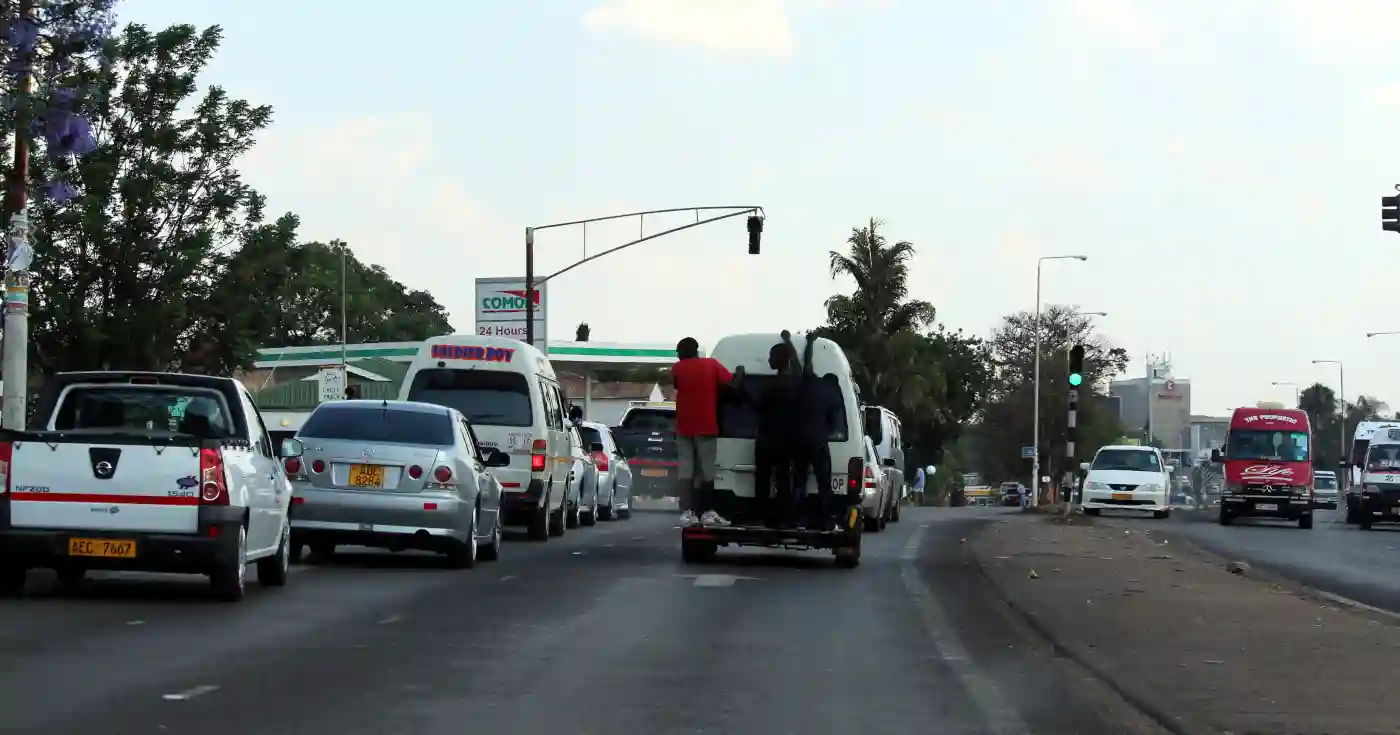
(166, 472)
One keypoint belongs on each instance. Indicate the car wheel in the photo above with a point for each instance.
(556, 521)
(12, 579)
(229, 581)
(492, 550)
(1305, 521)
(1363, 519)
(1091, 511)
(274, 570)
(1225, 517)
(539, 522)
(848, 557)
(894, 514)
(572, 517)
(590, 517)
(462, 554)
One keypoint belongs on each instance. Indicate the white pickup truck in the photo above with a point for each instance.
(145, 471)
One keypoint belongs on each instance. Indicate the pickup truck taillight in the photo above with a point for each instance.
(855, 470)
(537, 450)
(600, 460)
(213, 488)
(6, 452)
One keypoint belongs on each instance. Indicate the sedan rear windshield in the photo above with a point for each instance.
(149, 409)
(487, 397)
(591, 436)
(1126, 459)
(369, 423)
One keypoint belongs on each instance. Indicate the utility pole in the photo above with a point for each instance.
(344, 331)
(14, 353)
(1076, 379)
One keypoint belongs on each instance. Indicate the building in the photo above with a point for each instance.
(1156, 407)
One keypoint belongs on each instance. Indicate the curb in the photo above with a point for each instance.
(1130, 694)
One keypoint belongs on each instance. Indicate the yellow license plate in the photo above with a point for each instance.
(110, 548)
(366, 475)
(1122, 496)
(655, 473)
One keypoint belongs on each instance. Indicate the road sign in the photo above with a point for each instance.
(500, 309)
(1027, 452)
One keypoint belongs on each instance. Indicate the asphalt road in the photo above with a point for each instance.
(1332, 556)
(602, 631)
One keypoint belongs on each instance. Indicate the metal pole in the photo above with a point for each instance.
(1342, 388)
(1035, 399)
(1071, 433)
(344, 319)
(1151, 385)
(530, 286)
(14, 353)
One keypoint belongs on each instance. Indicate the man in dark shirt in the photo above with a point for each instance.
(774, 444)
(815, 416)
(697, 381)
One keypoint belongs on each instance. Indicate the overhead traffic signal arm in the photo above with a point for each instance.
(1390, 213)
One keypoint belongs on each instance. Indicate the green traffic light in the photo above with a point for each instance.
(1075, 379)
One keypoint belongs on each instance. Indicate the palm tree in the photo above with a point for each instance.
(880, 304)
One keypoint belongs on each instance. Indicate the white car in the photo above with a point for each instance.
(577, 505)
(611, 490)
(1127, 477)
(875, 504)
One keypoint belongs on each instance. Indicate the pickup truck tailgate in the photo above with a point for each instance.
(104, 487)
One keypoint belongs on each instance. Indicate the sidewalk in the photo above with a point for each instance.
(1192, 644)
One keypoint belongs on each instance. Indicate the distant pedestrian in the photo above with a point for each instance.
(697, 381)
(916, 491)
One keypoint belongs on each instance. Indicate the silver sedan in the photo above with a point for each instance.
(612, 477)
(396, 475)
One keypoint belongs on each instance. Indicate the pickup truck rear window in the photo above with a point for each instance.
(143, 408)
(374, 424)
(486, 397)
(650, 419)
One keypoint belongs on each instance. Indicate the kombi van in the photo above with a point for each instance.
(509, 392)
(734, 468)
(884, 428)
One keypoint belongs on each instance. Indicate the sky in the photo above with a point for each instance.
(1218, 162)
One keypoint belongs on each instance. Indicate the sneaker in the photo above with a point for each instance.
(711, 518)
(688, 518)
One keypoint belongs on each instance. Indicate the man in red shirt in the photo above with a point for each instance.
(697, 381)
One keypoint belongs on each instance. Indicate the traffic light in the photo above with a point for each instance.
(755, 233)
(1390, 213)
(1076, 365)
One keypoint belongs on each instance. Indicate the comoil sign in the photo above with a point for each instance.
(505, 301)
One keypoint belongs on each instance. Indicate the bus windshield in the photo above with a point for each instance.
(1280, 446)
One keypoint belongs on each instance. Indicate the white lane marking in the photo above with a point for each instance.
(1000, 716)
(715, 580)
(189, 693)
(135, 622)
(508, 578)
(391, 619)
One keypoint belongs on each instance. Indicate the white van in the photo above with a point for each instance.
(734, 471)
(884, 428)
(509, 392)
(1127, 477)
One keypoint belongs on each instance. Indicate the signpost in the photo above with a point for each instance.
(330, 384)
(501, 310)
(1027, 452)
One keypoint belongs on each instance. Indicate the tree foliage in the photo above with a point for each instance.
(164, 261)
(1006, 424)
(934, 379)
(1329, 438)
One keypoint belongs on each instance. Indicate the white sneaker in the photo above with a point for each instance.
(688, 518)
(711, 518)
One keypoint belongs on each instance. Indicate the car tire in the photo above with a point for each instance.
(572, 519)
(1160, 514)
(274, 570)
(1305, 521)
(871, 524)
(557, 524)
(229, 580)
(1225, 517)
(590, 518)
(1352, 516)
(12, 580)
(321, 552)
(847, 557)
(894, 514)
(606, 513)
(462, 554)
(492, 550)
(1363, 519)
(539, 522)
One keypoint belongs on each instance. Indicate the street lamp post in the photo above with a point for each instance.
(755, 227)
(1035, 410)
(1297, 400)
(1342, 393)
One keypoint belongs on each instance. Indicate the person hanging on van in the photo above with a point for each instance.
(697, 381)
(774, 444)
(815, 416)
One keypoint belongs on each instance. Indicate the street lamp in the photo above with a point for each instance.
(1297, 400)
(1342, 393)
(1035, 411)
(1378, 334)
(755, 234)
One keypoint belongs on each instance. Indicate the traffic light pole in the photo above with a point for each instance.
(755, 228)
(1071, 434)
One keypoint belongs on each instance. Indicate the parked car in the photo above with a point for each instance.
(1325, 494)
(612, 478)
(878, 495)
(580, 494)
(397, 475)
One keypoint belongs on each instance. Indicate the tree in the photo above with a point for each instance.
(581, 334)
(124, 272)
(932, 378)
(1329, 439)
(1006, 424)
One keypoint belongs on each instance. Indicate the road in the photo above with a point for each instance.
(1332, 556)
(603, 631)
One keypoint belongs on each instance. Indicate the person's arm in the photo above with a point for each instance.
(807, 370)
(722, 374)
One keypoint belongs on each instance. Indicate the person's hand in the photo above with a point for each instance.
(739, 372)
(811, 337)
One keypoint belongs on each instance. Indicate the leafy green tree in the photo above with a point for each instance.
(1006, 424)
(123, 271)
